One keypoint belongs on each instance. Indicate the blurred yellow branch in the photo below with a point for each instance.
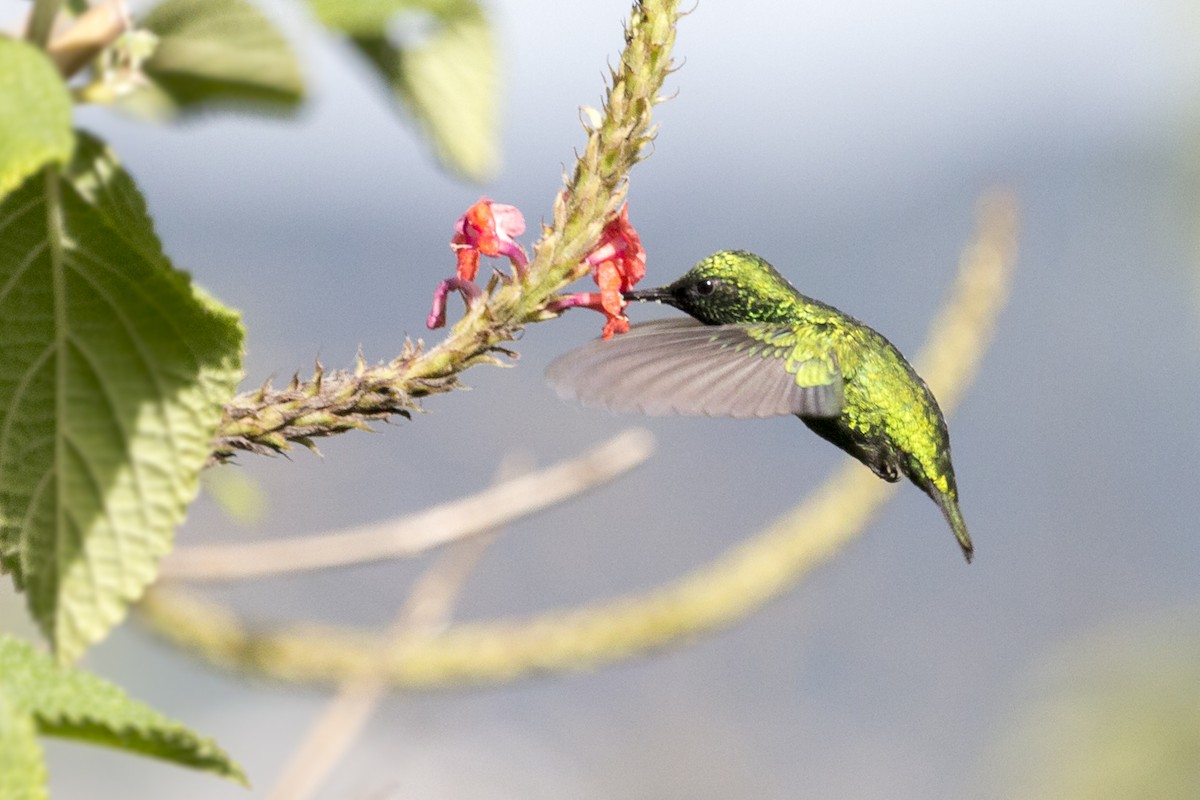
(91, 32)
(713, 596)
(426, 611)
(413, 535)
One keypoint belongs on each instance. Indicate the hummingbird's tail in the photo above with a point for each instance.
(949, 505)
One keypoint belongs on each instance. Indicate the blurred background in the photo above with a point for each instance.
(847, 143)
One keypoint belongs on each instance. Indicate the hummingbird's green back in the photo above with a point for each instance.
(763, 349)
(884, 398)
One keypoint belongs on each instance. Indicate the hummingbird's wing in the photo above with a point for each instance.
(680, 366)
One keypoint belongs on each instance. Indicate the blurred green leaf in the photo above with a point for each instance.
(74, 704)
(216, 51)
(22, 770)
(240, 496)
(1111, 716)
(443, 71)
(35, 127)
(114, 375)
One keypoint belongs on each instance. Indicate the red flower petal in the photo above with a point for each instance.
(468, 263)
(615, 325)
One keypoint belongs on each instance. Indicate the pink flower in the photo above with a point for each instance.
(621, 248)
(437, 312)
(618, 263)
(488, 229)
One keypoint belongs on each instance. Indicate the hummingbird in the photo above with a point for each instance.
(755, 347)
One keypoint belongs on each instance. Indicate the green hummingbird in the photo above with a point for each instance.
(756, 347)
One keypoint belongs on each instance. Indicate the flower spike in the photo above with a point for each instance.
(488, 229)
(437, 313)
(618, 262)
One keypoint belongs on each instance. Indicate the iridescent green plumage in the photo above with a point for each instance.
(756, 347)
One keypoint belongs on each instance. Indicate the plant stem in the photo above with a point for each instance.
(711, 597)
(419, 533)
(270, 420)
(41, 22)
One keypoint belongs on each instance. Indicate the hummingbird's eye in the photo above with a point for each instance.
(706, 286)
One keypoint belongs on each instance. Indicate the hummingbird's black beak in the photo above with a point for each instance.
(658, 295)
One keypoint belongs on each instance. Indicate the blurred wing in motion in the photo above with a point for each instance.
(680, 366)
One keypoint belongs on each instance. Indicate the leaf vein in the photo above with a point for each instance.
(10, 413)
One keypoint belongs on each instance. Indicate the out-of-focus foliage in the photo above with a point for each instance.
(116, 368)
(216, 51)
(440, 60)
(36, 694)
(1112, 717)
(41, 132)
(22, 771)
(115, 373)
(239, 495)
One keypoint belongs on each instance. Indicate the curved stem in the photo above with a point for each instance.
(426, 610)
(711, 597)
(41, 23)
(416, 534)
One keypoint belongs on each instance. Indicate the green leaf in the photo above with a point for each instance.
(216, 52)
(22, 770)
(445, 75)
(74, 704)
(35, 126)
(114, 375)
(98, 177)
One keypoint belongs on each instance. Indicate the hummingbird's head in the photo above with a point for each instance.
(730, 286)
